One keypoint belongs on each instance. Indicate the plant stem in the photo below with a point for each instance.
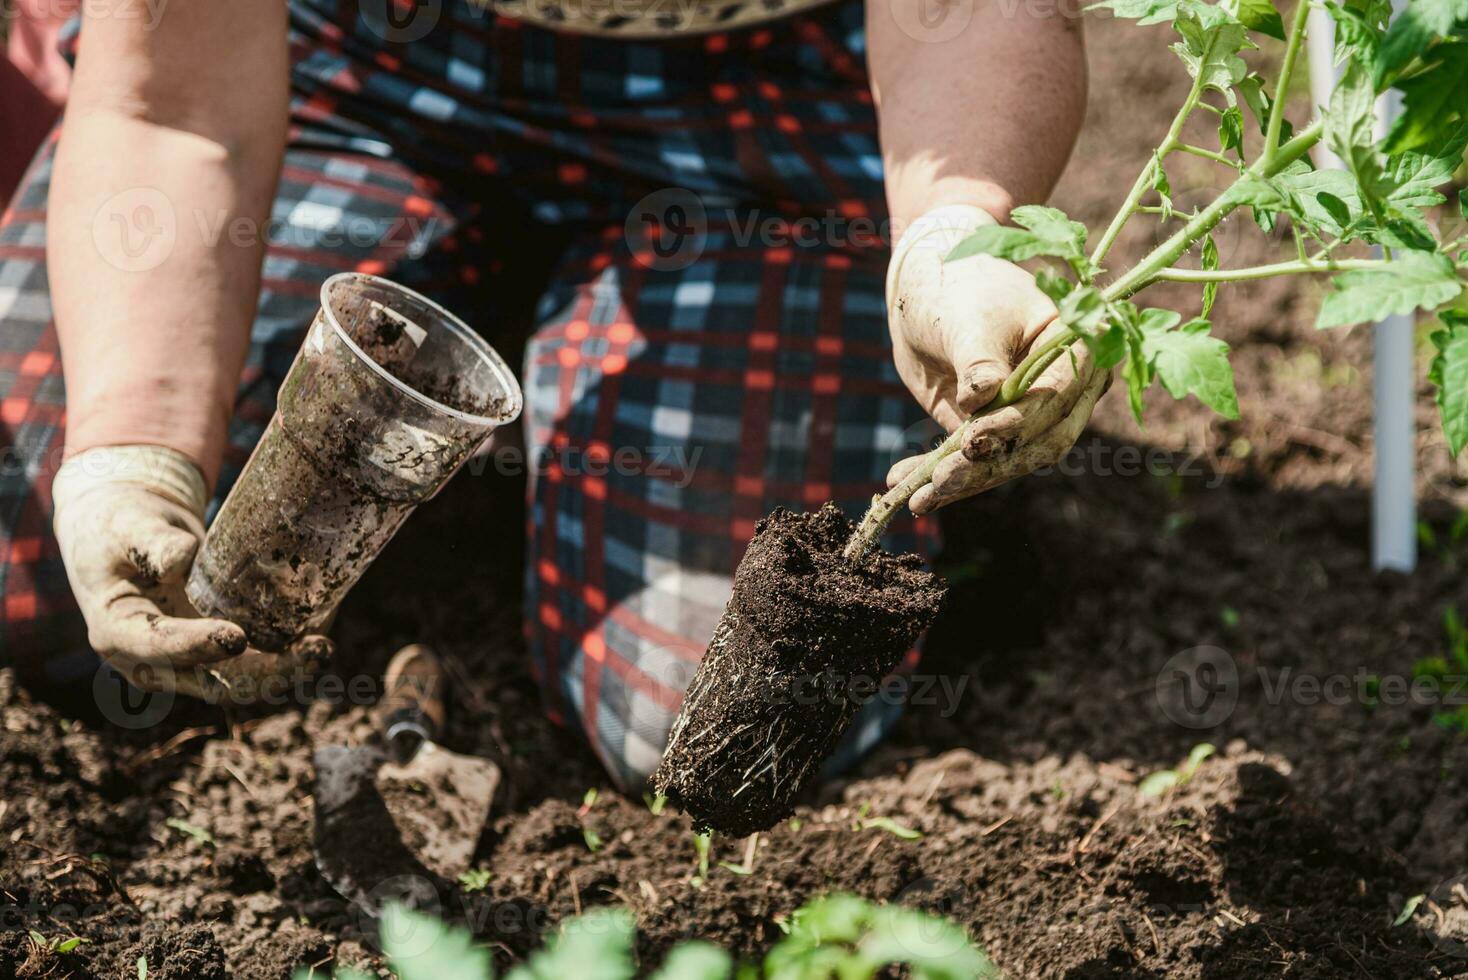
(1169, 143)
(1207, 154)
(1282, 85)
(1160, 259)
(1264, 271)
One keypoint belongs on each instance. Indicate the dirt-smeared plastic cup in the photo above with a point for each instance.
(388, 397)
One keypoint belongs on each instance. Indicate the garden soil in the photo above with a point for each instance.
(1079, 601)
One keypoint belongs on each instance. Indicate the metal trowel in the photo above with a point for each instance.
(392, 819)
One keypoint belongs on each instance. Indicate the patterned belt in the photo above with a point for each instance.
(647, 18)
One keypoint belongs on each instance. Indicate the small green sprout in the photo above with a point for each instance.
(891, 826)
(655, 804)
(1408, 910)
(701, 846)
(593, 840)
(475, 879)
(196, 832)
(747, 866)
(58, 945)
(835, 936)
(1166, 779)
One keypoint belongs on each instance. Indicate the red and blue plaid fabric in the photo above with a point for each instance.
(712, 344)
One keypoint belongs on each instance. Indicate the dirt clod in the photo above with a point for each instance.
(805, 633)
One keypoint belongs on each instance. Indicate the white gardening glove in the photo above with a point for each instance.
(129, 519)
(958, 330)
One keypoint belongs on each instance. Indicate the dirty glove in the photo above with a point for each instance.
(129, 519)
(958, 330)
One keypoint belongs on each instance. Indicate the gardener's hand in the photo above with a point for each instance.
(958, 330)
(129, 519)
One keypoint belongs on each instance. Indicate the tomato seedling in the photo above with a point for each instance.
(1383, 197)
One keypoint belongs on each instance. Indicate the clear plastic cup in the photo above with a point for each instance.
(389, 395)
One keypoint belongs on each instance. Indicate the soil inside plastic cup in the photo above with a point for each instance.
(387, 397)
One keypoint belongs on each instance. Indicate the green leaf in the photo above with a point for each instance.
(1042, 231)
(1251, 88)
(1195, 759)
(1209, 261)
(1258, 192)
(695, 961)
(1350, 130)
(1359, 27)
(845, 936)
(1231, 130)
(475, 879)
(1463, 203)
(1002, 241)
(892, 827)
(197, 833)
(1190, 362)
(1449, 372)
(1210, 48)
(1259, 15)
(1411, 33)
(67, 945)
(142, 965)
(1266, 197)
(1108, 347)
(1158, 782)
(1051, 225)
(1315, 191)
(1418, 280)
(932, 948)
(1335, 207)
(1136, 370)
(1082, 310)
(1052, 285)
(594, 946)
(1160, 183)
(1408, 910)
(1433, 104)
(1142, 11)
(421, 947)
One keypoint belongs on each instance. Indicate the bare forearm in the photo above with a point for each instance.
(986, 117)
(162, 187)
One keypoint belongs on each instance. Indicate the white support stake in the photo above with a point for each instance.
(1394, 496)
(1394, 384)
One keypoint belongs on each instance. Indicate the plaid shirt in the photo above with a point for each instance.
(712, 341)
